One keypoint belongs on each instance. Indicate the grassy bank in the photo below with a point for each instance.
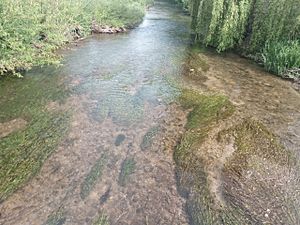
(30, 31)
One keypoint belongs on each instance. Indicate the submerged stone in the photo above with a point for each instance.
(120, 138)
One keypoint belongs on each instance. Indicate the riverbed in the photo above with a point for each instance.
(93, 141)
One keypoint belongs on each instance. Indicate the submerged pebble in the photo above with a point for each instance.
(120, 138)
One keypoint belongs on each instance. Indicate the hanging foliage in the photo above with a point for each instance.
(248, 25)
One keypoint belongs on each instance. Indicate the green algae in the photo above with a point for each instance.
(127, 168)
(93, 176)
(149, 138)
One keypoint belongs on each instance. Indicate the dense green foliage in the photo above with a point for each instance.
(30, 30)
(255, 27)
(283, 58)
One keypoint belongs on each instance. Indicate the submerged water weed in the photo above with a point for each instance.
(205, 109)
(100, 112)
(26, 97)
(195, 66)
(57, 218)
(102, 219)
(127, 110)
(252, 179)
(149, 138)
(261, 179)
(127, 168)
(23, 153)
(93, 176)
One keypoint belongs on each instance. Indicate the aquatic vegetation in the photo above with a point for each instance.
(126, 110)
(261, 178)
(100, 112)
(93, 176)
(258, 181)
(149, 137)
(23, 152)
(195, 66)
(105, 196)
(205, 109)
(57, 218)
(127, 168)
(28, 96)
(102, 220)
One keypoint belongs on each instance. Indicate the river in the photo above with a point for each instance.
(93, 140)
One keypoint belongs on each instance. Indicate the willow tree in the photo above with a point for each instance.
(253, 26)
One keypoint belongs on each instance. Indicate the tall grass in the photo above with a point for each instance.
(282, 57)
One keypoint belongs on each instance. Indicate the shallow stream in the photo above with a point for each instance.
(93, 140)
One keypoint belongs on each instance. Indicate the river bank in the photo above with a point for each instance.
(31, 32)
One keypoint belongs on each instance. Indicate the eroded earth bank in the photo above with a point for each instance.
(142, 128)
